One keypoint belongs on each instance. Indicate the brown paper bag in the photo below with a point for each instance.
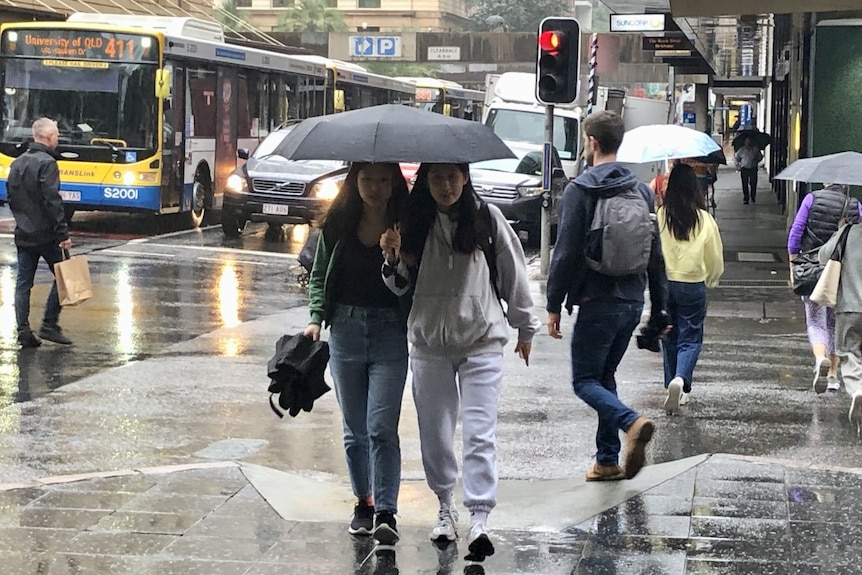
(73, 280)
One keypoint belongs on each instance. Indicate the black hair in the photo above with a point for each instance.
(345, 211)
(422, 212)
(683, 201)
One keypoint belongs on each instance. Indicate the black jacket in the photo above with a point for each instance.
(34, 198)
(829, 206)
(569, 278)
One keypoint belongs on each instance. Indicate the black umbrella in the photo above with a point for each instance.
(716, 157)
(296, 373)
(392, 133)
(758, 138)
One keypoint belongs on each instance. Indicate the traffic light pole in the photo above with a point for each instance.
(547, 173)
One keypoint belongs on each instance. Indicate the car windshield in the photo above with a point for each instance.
(99, 106)
(523, 126)
(265, 149)
(527, 162)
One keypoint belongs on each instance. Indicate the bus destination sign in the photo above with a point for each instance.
(80, 44)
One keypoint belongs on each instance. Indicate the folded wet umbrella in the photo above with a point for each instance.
(296, 373)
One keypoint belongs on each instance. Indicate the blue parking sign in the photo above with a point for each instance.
(363, 46)
(386, 46)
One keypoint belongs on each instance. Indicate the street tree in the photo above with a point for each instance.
(514, 15)
(230, 16)
(311, 16)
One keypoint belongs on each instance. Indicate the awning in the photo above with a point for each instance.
(694, 8)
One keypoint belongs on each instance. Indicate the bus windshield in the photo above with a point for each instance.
(94, 103)
(523, 126)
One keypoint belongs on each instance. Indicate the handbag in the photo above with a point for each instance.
(806, 269)
(73, 280)
(825, 293)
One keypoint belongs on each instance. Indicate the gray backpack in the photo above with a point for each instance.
(620, 237)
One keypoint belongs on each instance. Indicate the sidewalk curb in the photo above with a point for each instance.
(159, 470)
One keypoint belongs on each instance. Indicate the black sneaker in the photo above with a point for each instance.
(54, 333)
(385, 530)
(28, 339)
(363, 519)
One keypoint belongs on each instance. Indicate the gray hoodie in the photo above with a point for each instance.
(455, 310)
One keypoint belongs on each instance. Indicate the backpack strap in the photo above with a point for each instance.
(486, 235)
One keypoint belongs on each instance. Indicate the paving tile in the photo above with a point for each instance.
(739, 490)
(617, 521)
(11, 503)
(828, 478)
(705, 567)
(739, 470)
(826, 512)
(826, 543)
(199, 486)
(173, 503)
(34, 540)
(80, 564)
(766, 550)
(106, 543)
(659, 505)
(739, 528)
(80, 519)
(267, 527)
(821, 494)
(246, 501)
(216, 548)
(749, 508)
(198, 567)
(681, 486)
(805, 569)
(767, 569)
(136, 483)
(632, 564)
(82, 500)
(144, 522)
(24, 563)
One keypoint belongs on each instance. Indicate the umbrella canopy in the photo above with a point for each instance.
(842, 168)
(760, 139)
(661, 142)
(392, 133)
(713, 158)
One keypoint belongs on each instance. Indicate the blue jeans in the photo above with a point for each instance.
(368, 360)
(686, 304)
(28, 262)
(602, 334)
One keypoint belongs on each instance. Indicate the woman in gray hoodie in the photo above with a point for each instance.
(458, 330)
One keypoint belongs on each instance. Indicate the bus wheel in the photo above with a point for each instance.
(232, 223)
(199, 201)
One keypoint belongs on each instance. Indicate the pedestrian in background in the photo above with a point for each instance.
(609, 307)
(848, 317)
(41, 230)
(747, 158)
(368, 338)
(458, 330)
(694, 260)
(817, 220)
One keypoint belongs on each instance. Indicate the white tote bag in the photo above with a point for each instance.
(826, 291)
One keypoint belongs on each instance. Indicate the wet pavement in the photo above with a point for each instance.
(169, 368)
(725, 515)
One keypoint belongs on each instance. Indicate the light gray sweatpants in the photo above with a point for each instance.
(848, 343)
(437, 397)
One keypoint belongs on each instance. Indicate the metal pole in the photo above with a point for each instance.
(671, 96)
(547, 171)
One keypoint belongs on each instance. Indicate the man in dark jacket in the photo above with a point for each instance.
(610, 307)
(40, 228)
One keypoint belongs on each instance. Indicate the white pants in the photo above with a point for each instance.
(848, 342)
(437, 397)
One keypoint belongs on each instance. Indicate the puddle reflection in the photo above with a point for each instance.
(125, 313)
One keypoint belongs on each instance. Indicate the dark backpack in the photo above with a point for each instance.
(486, 235)
(619, 240)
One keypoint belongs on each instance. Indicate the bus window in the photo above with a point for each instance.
(202, 95)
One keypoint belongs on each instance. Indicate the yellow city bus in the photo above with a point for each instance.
(152, 110)
(448, 98)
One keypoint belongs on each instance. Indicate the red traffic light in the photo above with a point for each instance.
(551, 41)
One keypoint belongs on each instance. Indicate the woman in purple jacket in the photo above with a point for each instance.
(818, 218)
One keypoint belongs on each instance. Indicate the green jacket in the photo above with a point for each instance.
(320, 286)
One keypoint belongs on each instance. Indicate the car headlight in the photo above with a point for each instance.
(529, 191)
(327, 189)
(237, 184)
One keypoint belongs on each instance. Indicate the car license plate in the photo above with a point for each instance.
(70, 196)
(276, 209)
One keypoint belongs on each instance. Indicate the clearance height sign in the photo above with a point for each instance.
(80, 44)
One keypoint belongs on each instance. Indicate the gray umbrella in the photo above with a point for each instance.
(843, 168)
(392, 133)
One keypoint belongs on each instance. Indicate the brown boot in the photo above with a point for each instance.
(601, 472)
(638, 435)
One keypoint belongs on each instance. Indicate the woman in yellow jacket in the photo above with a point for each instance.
(694, 260)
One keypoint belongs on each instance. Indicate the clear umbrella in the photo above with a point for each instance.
(842, 168)
(660, 142)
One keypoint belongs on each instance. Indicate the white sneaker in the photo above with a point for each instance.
(821, 370)
(478, 543)
(683, 399)
(832, 383)
(674, 391)
(446, 528)
(855, 415)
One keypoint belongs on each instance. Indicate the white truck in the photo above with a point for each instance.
(512, 111)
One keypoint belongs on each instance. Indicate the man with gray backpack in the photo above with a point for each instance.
(607, 251)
